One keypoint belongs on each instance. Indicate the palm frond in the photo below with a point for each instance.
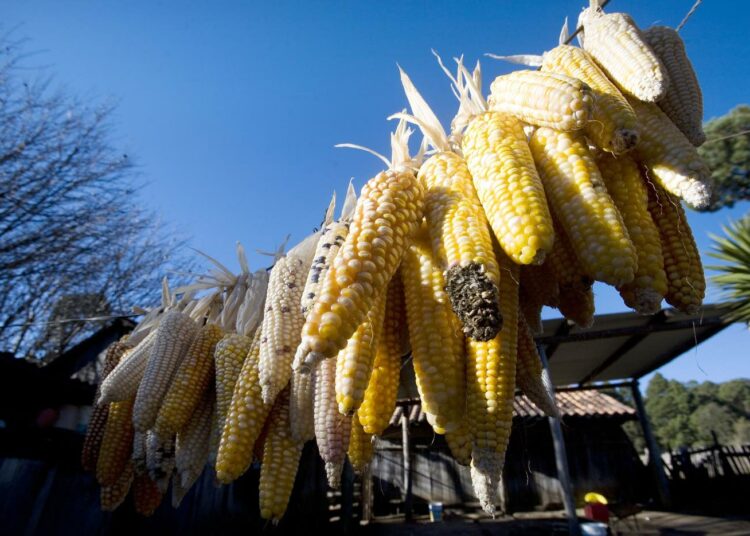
(733, 278)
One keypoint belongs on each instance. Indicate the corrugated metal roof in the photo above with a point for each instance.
(586, 403)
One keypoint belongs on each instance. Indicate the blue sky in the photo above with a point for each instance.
(231, 112)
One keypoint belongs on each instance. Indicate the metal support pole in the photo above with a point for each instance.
(407, 465)
(654, 452)
(561, 461)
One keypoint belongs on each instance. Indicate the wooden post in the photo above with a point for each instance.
(367, 498)
(561, 461)
(407, 464)
(654, 452)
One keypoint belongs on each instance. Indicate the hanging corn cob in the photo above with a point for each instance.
(112, 496)
(332, 429)
(281, 456)
(244, 420)
(539, 287)
(138, 455)
(380, 397)
(174, 336)
(460, 444)
(683, 103)
(98, 420)
(146, 495)
(117, 443)
(360, 447)
(459, 231)
(388, 212)
(686, 283)
(490, 389)
(436, 346)
(191, 448)
(670, 158)
(621, 50)
(580, 201)
(531, 378)
(123, 381)
(160, 452)
(506, 181)
(301, 409)
(624, 183)
(545, 99)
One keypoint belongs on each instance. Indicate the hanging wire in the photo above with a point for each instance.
(689, 14)
(71, 320)
(578, 30)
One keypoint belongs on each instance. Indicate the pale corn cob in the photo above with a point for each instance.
(112, 496)
(670, 158)
(117, 443)
(624, 183)
(683, 103)
(387, 213)
(282, 324)
(281, 456)
(545, 99)
(437, 348)
(192, 444)
(301, 411)
(123, 381)
(577, 195)
(354, 363)
(460, 444)
(491, 381)
(686, 283)
(174, 336)
(539, 287)
(508, 186)
(98, 419)
(160, 462)
(229, 358)
(191, 380)
(531, 378)
(244, 421)
(138, 455)
(146, 495)
(380, 397)
(328, 246)
(621, 50)
(332, 429)
(360, 447)
(462, 242)
(613, 125)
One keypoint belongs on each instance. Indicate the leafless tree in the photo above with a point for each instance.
(74, 237)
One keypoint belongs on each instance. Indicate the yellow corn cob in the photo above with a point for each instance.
(670, 158)
(332, 429)
(326, 250)
(544, 99)
(191, 380)
(508, 186)
(460, 442)
(117, 443)
(244, 421)
(624, 183)
(301, 411)
(386, 215)
(539, 287)
(579, 199)
(360, 447)
(462, 242)
(437, 348)
(98, 419)
(123, 381)
(380, 397)
(686, 283)
(173, 339)
(490, 388)
(354, 363)
(192, 444)
(684, 100)
(160, 453)
(281, 456)
(229, 358)
(531, 378)
(146, 495)
(613, 125)
(621, 50)
(112, 496)
(576, 299)
(282, 324)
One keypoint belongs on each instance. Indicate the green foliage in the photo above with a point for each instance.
(734, 274)
(727, 154)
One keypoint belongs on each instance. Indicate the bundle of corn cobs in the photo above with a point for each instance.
(566, 175)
